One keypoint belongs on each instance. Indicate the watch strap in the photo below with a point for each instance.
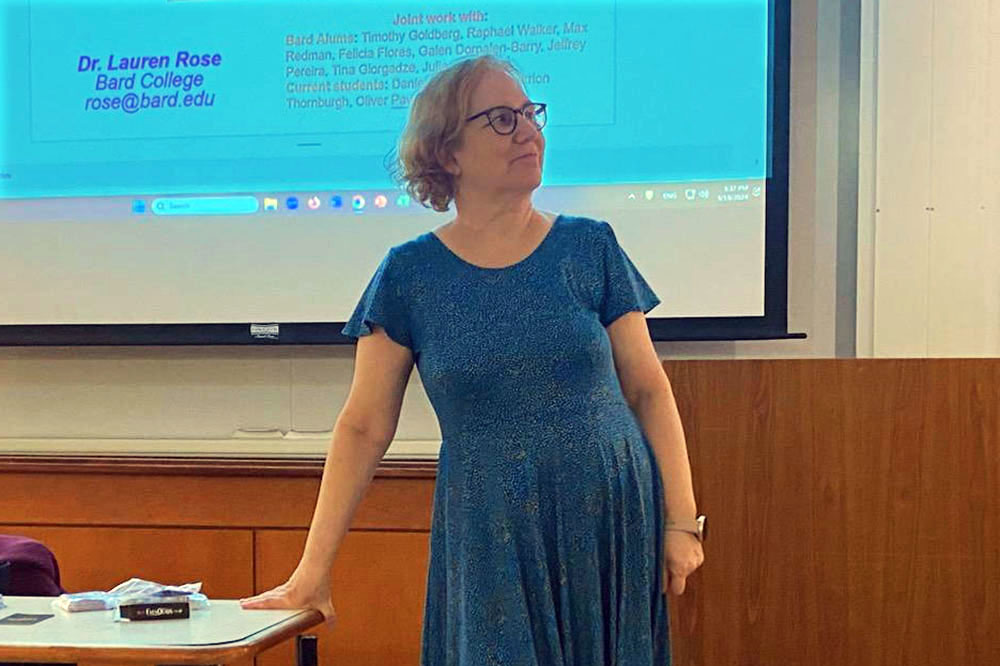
(694, 526)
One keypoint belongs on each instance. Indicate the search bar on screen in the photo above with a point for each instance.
(205, 205)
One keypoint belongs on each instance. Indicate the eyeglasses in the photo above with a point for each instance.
(503, 119)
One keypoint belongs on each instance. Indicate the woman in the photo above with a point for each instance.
(564, 506)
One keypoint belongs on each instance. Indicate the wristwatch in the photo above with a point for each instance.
(697, 527)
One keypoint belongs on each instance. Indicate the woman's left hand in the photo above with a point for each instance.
(682, 555)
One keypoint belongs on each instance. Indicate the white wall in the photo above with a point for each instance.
(193, 399)
(929, 266)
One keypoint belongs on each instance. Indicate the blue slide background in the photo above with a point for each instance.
(668, 91)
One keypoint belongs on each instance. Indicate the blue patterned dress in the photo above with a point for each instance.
(546, 537)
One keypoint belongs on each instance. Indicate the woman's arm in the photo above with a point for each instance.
(648, 392)
(361, 435)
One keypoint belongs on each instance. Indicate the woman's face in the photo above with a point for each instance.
(494, 163)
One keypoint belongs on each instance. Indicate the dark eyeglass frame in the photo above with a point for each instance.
(540, 107)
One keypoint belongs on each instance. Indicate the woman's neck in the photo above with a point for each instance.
(499, 218)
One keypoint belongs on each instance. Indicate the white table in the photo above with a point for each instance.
(221, 634)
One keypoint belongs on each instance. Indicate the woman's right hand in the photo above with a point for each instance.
(298, 592)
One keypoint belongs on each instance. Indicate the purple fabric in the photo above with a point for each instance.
(33, 569)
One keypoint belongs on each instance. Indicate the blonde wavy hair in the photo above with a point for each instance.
(434, 129)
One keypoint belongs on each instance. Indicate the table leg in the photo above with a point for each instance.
(306, 651)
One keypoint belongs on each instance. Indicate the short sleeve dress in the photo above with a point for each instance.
(546, 536)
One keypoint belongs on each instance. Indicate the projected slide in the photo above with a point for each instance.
(197, 96)
(224, 161)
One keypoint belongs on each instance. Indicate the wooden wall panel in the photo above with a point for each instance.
(378, 587)
(100, 558)
(143, 500)
(855, 511)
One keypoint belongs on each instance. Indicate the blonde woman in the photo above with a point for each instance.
(564, 508)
